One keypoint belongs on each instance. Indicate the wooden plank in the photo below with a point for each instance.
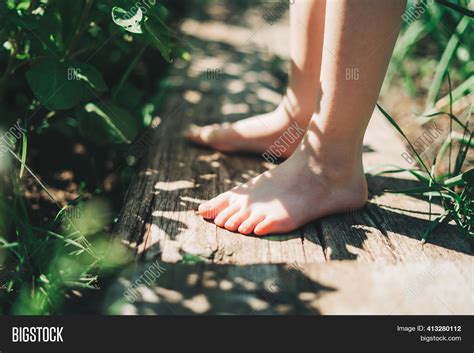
(159, 217)
(383, 268)
(389, 229)
(176, 176)
(405, 219)
(338, 287)
(198, 289)
(354, 236)
(411, 288)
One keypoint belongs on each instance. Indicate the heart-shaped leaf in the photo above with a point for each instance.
(129, 22)
(59, 85)
(54, 86)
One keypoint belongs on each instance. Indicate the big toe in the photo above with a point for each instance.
(194, 133)
(212, 208)
(204, 135)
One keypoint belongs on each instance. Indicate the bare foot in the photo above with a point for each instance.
(282, 199)
(274, 135)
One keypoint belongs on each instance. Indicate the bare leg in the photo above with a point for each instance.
(325, 174)
(257, 133)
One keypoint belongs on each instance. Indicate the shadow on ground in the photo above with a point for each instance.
(186, 289)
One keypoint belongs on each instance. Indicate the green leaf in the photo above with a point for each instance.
(191, 259)
(160, 36)
(445, 60)
(432, 226)
(130, 97)
(24, 151)
(451, 116)
(60, 86)
(108, 121)
(52, 85)
(454, 181)
(90, 75)
(128, 22)
(23, 4)
(418, 190)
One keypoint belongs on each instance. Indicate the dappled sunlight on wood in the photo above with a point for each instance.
(235, 86)
(211, 270)
(230, 108)
(174, 185)
(193, 97)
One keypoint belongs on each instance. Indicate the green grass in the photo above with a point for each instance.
(46, 262)
(455, 189)
(427, 51)
(440, 40)
(44, 39)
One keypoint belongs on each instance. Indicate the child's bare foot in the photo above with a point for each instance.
(280, 200)
(275, 133)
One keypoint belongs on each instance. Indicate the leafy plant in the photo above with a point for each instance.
(437, 37)
(62, 53)
(69, 64)
(454, 188)
(442, 27)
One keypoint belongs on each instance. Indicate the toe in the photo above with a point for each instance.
(223, 216)
(212, 208)
(236, 220)
(203, 135)
(265, 227)
(249, 224)
(193, 133)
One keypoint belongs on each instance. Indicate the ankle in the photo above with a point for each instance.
(296, 110)
(335, 164)
(331, 150)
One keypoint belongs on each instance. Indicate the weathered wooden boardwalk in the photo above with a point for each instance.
(365, 262)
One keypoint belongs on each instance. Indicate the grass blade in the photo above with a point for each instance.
(457, 8)
(395, 125)
(24, 151)
(416, 173)
(435, 223)
(443, 64)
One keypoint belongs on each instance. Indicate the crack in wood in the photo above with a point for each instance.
(320, 236)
